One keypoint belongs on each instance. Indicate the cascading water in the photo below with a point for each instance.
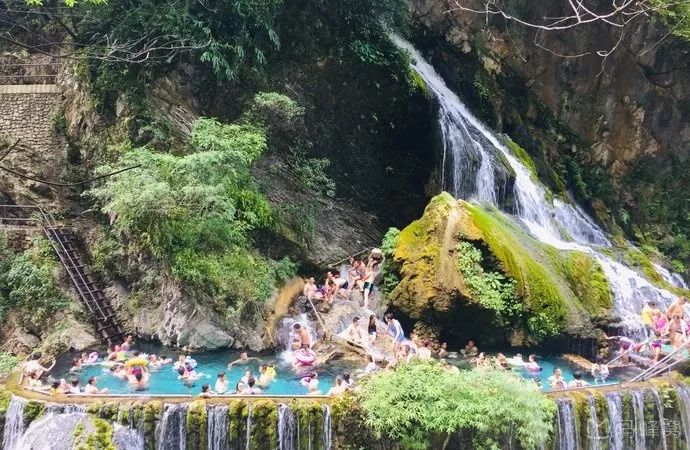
(474, 156)
(615, 405)
(217, 428)
(127, 438)
(287, 428)
(638, 419)
(567, 429)
(14, 423)
(670, 277)
(593, 425)
(52, 431)
(171, 430)
(684, 396)
(660, 417)
(250, 414)
(327, 428)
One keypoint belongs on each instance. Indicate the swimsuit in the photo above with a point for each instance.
(367, 286)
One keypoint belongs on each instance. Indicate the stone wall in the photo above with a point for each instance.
(26, 113)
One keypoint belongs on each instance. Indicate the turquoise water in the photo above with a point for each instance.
(209, 364)
(547, 365)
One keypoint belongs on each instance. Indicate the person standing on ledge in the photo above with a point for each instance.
(678, 307)
(303, 335)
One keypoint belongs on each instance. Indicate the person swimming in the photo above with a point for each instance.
(221, 386)
(578, 381)
(206, 391)
(243, 359)
(91, 387)
(266, 375)
(532, 365)
(600, 371)
(556, 381)
(139, 381)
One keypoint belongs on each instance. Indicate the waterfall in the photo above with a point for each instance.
(474, 156)
(52, 431)
(660, 416)
(684, 406)
(638, 419)
(327, 427)
(217, 428)
(171, 431)
(593, 425)
(287, 428)
(672, 278)
(14, 423)
(567, 429)
(615, 404)
(250, 411)
(127, 438)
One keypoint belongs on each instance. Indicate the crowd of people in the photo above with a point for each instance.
(360, 277)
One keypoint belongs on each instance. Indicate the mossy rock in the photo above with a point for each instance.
(151, 414)
(196, 425)
(558, 290)
(32, 411)
(5, 397)
(101, 438)
(264, 432)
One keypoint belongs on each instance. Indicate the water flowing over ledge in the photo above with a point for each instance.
(640, 415)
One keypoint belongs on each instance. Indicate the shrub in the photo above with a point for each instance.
(421, 405)
(27, 284)
(8, 362)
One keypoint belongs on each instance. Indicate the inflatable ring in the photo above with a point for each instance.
(190, 362)
(93, 357)
(305, 360)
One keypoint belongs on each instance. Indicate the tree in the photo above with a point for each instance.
(422, 405)
(561, 15)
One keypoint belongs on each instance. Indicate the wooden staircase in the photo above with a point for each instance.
(87, 285)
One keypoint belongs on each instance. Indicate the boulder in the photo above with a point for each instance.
(550, 291)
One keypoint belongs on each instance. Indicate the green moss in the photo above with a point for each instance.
(627, 417)
(525, 260)
(100, 439)
(94, 407)
(5, 397)
(418, 82)
(33, 410)
(237, 424)
(124, 413)
(196, 425)
(588, 282)
(151, 414)
(310, 422)
(602, 408)
(264, 433)
(522, 155)
(109, 411)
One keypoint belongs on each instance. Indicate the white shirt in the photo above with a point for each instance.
(221, 386)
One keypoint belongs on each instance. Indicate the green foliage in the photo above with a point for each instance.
(312, 175)
(8, 361)
(276, 112)
(521, 154)
(27, 285)
(421, 403)
(194, 214)
(390, 270)
(676, 14)
(100, 439)
(491, 289)
(297, 223)
(542, 326)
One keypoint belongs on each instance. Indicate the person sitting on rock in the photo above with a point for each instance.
(354, 332)
(424, 352)
(354, 277)
(33, 366)
(443, 350)
(309, 288)
(339, 284)
(470, 350)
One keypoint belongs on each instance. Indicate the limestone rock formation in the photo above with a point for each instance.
(553, 292)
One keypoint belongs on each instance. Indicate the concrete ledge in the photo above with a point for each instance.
(30, 89)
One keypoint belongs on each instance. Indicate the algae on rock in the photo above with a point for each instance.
(554, 291)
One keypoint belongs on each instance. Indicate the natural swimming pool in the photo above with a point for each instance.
(164, 380)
